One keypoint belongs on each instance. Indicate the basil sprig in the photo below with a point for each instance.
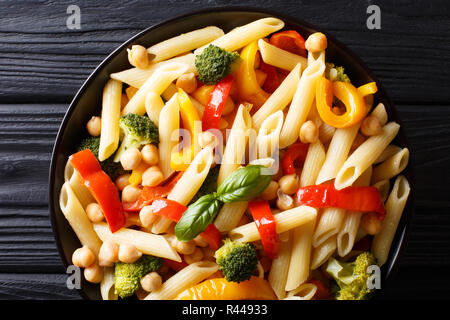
(242, 185)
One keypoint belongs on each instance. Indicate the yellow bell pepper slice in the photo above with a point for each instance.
(246, 80)
(220, 289)
(368, 88)
(136, 175)
(180, 161)
(355, 106)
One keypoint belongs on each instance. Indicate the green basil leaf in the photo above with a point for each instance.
(197, 217)
(244, 184)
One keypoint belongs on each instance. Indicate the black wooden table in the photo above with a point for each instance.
(43, 63)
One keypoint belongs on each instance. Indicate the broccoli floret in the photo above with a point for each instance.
(111, 168)
(237, 260)
(209, 185)
(336, 73)
(127, 276)
(215, 63)
(351, 278)
(138, 130)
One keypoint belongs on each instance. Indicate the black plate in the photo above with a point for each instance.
(87, 102)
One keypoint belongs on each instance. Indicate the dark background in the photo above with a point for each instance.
(43, 63)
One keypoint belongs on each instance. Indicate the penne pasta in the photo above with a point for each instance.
(184, 279)
(78, 219)
(328, 226)
(395, 205)
(82, 193)
(280, 266)
(380, 112)
(268, 139)
(107, 285)
(281, 97)
(387, 153)
(365, 155)
(280, 58)
(301, 103)
(305, 291)
(136, 77)
(241, 36)
(323, 252)
(383, 187)
(285, 221)
(391, 166)
(145, 242)
(158, 83)
(183, 43)
(313, 163)
(153, 106)
(229, 215)
(111, 102)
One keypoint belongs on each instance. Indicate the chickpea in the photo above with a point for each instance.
(94, 126)
(199, 241)
(152, 177)
(270, 192)
(196, 256)
(150, 154)
(94, 212)
(289, 183)
(371, 126)
(93, 273)
(146, 216)
(183, 247)
(108, 254)
(128, 253)
(130, 193)
(206, 138)
(138, 56)
(284, 201)
(203, 93)
(309, 133)
(151, 281)
(83, 257)
(370, 223)
(187, 82)
(122, 181)
(131, 158)
(316, 42)
(228, 107)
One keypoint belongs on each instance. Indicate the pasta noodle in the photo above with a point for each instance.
(391, 166)
(285, 221)
(136, 77)
(241, 36)
(323, 252)
(280, 98)
(153, 106)
(395, 205)
(107, 285)
(229, 215)
(109, 137)
(82, 193)
(305, 291)
(280, 267)
(380, 112)
(329, 225)
(188, 185)
(383, 187)
(157, 82)
(280, 58)
(183, 43)
(387, 153)
(77, 218)
(313, 162)
(268, 138)
(365, 155)
(183, 279)
(301, 103)
(145, 242)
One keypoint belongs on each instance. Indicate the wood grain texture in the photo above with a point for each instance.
(42, 65)
(43, 61)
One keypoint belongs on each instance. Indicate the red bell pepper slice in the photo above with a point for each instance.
(151, 193)
(101, 187)
(272, 81)
(289, 40)
(175, 265)
(213, 110)
(363, 199)
(265, 223)
(296, 153)
(322, 293)
(173, 210)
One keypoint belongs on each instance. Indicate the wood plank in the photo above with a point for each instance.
(42, 61)
(28, 132)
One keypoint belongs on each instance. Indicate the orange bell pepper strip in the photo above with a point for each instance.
(289, 40)
(220, 289)
(101, 187)
(355, 106)
(246, 82)
(191, 121)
